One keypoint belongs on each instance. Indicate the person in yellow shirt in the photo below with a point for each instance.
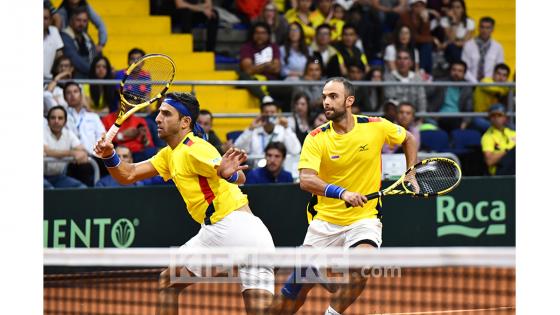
(498, 143)
(485, 96)
(208, 185)
(300, 14)
(341, 163)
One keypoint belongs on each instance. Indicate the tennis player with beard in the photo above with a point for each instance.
(208, 184)
(341, 162)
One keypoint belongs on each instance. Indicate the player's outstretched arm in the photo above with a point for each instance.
(409, 147)
(310, 181)
(124, 173)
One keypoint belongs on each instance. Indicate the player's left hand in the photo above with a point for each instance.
(231, 162)
(353, 198)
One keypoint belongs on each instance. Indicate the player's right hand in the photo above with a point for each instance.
(102, 148)
(353, 198)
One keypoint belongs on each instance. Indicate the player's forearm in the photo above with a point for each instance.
(123, 173)
(312, 184)
(410, 149)
(58, 153)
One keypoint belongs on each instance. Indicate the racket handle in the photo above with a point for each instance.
(109, 136)
(111, 133)
(369, 197)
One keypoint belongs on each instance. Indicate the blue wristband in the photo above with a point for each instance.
(113, 160)
(233, 178)
(333, 191)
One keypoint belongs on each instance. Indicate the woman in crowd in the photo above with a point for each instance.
(458, 27)
(402, 40)
(294, 53)
(101, 98)
(300, 121)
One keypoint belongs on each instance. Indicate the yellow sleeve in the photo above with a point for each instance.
(500, 90)
(160, 163)
(204, 159)
(394, 134)
(310, 154)
(487, 143)
(363, 58)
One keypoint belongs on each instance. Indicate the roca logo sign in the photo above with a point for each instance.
(470, 219)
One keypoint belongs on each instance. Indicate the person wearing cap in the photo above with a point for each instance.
(268, 127)
(208, 184)
(498, 143)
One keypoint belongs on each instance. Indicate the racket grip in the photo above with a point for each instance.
(369, 197)
(111, 133)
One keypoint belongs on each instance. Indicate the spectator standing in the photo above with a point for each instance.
(300, 14)
(193, 12)
(498, 143)
(277, 23)
(389, 12)
(52, 43)
(101, 98)
(410, 94)
(300, 121)
(205, 120)
(459, 29)
(78, 45)
(402, 40)
(259, 58)
(59, 142)
(347, 52)
(86, 125)
(482, 53)
(321, 46)
(293, 54)
(273, 172)
(407, 119)
(66, 9)
(450, 99)
(417, 18)
(266, 128)
(56, 20)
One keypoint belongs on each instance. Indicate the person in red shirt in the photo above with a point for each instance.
(133, 134)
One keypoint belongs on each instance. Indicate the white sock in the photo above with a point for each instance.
(331, 311)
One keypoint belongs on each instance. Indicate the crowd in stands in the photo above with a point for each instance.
(296, 40)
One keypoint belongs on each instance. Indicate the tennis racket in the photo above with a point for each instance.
(136, 91)
(430, 177)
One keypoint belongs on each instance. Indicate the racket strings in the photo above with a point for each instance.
(432, 177)
(147, 80)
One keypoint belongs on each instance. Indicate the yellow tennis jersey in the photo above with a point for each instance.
(351, 161)
(192, 167)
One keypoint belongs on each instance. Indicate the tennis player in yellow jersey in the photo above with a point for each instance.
(341, 162)
(207, 183)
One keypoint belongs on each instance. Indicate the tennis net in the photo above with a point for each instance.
(466, 280)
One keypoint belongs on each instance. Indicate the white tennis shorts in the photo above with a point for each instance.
(324, 234)
(237, 229)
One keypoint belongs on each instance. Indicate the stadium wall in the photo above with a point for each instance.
(480, 212)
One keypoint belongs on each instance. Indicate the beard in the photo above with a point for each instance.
(336, 115)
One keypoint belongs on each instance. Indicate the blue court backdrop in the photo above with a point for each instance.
(480, 212)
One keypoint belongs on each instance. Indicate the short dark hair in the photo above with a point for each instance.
(459, 62)
(134, 51)
(348, 86)
(406, 103)
(190, 102)
(259, 24)
(278, 146)
(403, 50)
(52, 109)
(79, 10)
(70, 83)
(263, 105)
(502, 66)
(356, 63)
(324, 25)
(487, 19)
(206, 112)
(349, 25)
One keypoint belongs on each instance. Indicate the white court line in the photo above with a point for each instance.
(503, 308)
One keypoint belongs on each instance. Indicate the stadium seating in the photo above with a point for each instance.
(434, 140)
(465, 140)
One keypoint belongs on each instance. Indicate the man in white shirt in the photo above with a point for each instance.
(86, 125)
(482, 53)
(59, 142)
(266, 128)
(52, 43)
